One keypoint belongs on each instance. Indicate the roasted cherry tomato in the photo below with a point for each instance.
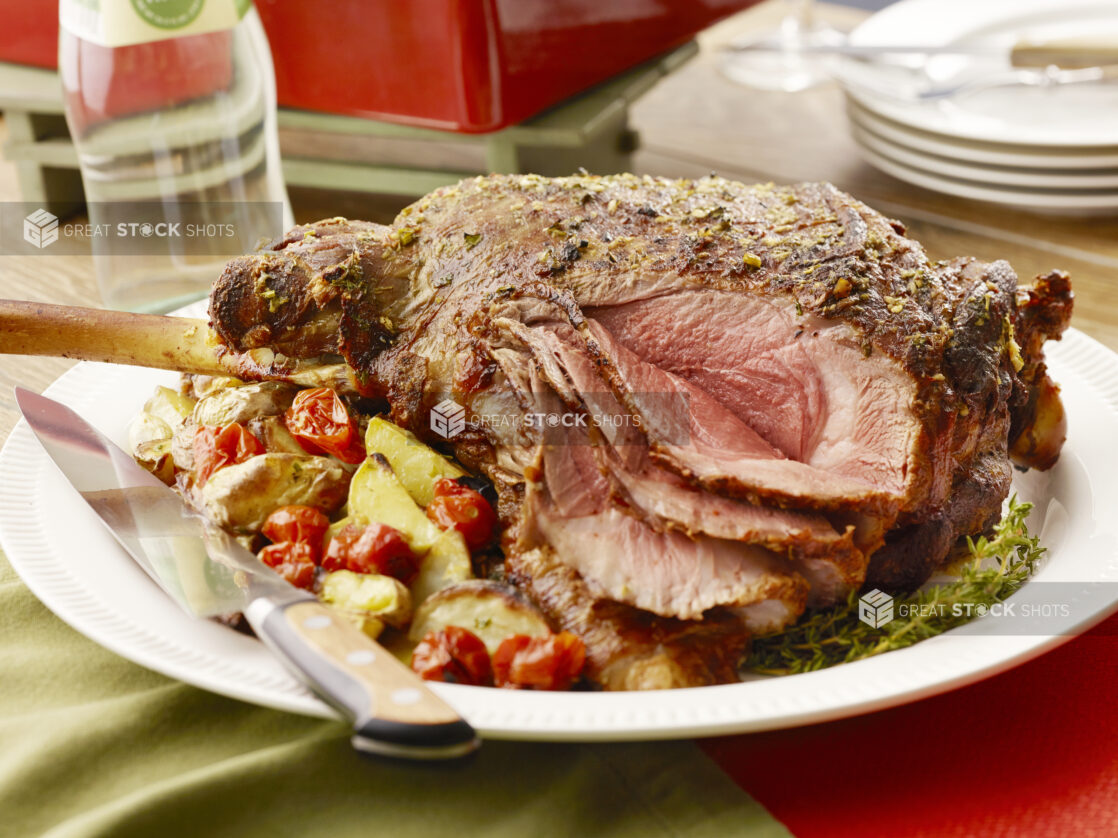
(303, 524)
(216, 447)
(292, 560)
(319, 419)
(550, 662)
(455, 655)
(456, 507)
(376, 548)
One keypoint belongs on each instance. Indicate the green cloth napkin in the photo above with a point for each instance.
(94, 745)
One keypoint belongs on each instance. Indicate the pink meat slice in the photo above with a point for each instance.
(697, 437)
(597, 522)
(666, 573)
(765, 379)
(804, 385)
(622, 453)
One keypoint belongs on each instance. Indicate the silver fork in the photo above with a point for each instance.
(1051, 76)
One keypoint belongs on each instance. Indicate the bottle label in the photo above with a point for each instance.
(118, 23)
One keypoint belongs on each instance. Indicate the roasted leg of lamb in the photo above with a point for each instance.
(705, 407)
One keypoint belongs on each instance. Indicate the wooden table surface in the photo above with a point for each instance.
(694, 122)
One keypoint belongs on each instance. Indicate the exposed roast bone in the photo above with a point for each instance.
(181, 344)
(91, 334)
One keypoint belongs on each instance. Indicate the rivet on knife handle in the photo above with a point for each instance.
(392, 710)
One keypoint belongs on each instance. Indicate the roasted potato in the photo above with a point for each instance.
(207, 385)
(156, 457)
(369, 624)
(146, 427)
(273, 433)
(171, 406)
(150, 433)
(240, 404)
(375, 494)
(182, 445)
(239, 497)
(490, 610)
(149, 437)
(446, 563)
(370, 601)
(417, 466)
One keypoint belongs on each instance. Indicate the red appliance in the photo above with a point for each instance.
(456, 65)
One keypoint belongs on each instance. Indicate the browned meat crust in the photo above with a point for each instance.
(913, 553)
(1038, 426)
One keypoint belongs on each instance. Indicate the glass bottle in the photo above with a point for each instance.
(171, 105)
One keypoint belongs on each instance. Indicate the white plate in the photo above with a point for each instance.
(70, 562)
(1105, 180)
(1035, 200)
(1067, 116)
(993, 154)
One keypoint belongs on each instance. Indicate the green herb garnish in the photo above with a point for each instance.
(838, 636)
(472, 240)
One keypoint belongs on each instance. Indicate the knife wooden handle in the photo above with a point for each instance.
(392, 710)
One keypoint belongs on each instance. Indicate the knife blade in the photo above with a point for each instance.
(206, 572)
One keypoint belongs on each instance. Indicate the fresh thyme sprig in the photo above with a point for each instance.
(838, 636)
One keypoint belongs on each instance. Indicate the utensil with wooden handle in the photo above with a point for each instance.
(207, 573)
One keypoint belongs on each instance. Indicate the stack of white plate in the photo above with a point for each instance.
(1050, 149)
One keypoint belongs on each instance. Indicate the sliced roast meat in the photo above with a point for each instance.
(670, 574)
(660, 497)
(626, 560)
(712, 446)
(669, 501)
(803, 384)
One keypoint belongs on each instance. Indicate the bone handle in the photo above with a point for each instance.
(116, 337)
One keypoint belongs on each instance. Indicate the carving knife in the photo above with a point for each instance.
(207, 573)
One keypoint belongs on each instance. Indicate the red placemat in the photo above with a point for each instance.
(1030, 752)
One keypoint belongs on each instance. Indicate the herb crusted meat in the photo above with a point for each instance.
(765, 396)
